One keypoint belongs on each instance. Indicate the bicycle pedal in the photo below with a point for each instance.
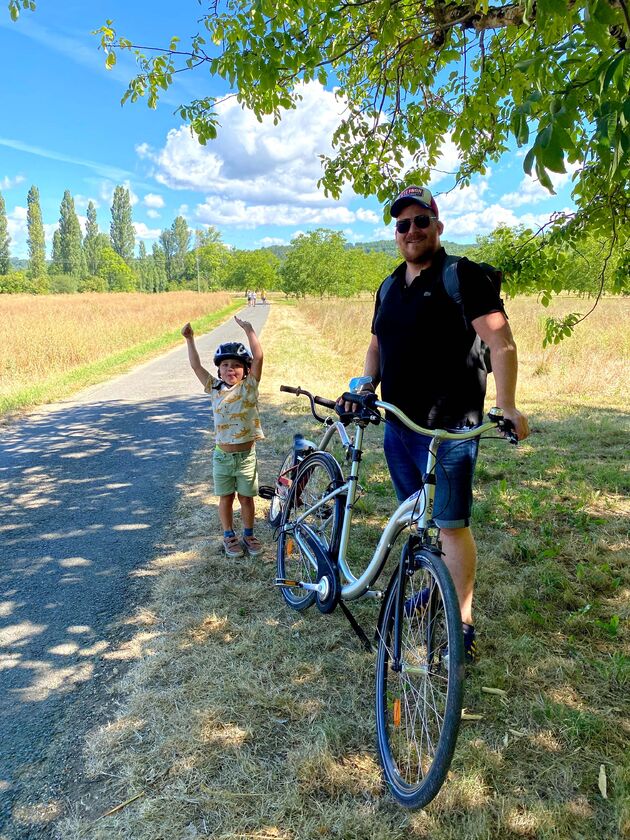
(286, 582)
(266, 491)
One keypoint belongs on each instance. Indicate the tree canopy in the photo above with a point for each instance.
(553, 76)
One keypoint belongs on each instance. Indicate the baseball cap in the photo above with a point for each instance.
(414, 195)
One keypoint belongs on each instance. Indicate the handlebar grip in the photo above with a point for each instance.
(324, 402)
(290, 390)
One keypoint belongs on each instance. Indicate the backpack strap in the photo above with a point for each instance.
(450, 279)
(386, 285)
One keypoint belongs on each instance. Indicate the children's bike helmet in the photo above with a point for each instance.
(233, 350)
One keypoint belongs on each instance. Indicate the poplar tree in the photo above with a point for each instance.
(36, 237)
(70, 239)
(122, 234)
(5, 239)
(145, 279)
(159, 269)
(56, 267)
(91, 242)
(181, 234)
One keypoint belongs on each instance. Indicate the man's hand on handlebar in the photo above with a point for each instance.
(518, 421)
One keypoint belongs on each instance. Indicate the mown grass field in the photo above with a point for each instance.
(54, 344)
(242, 719)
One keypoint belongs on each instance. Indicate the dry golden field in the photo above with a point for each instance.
(242, 720)
(43, 339)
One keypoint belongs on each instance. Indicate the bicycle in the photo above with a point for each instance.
(419, 656)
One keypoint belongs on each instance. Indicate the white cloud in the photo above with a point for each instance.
(367, 216)
(257, 163)
(484, 220)
(144, 232)
(267, 241)
(153, 214)
(531, 191)
(153, 200)
(218, 211)
(8, 183)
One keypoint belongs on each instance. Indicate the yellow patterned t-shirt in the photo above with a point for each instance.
(235, 410)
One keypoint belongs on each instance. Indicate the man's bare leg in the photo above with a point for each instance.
(460, 555)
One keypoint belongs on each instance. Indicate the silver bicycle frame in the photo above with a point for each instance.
(405, 515)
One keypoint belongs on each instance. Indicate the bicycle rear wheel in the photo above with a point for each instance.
(418, 706)
(281, 490)
(318, 474)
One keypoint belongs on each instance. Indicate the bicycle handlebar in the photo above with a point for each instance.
(314, 400)
(370, 406)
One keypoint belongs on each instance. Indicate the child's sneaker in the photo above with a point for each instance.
(232, 546)
(252, 545)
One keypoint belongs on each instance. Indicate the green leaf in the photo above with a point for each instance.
(110, 61)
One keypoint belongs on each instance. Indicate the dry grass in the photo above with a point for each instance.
(247, 720)
(44, 337)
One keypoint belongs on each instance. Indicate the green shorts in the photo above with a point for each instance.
(235, 472)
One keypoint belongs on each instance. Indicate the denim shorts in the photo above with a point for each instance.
(235, 472)
(406, 454)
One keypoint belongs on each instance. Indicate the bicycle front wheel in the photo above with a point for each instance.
(281, 490)
(419, 698)
(305, 519)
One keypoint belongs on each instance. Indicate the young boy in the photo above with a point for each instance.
(237, 428)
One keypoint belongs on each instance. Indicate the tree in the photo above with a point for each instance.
(113, 269)
(122, 233)
(91, 242)
(181, 241)
(70, 239)
(315, 264)
(160, 280)
(253, 270)
(550, 76)
(36, 238)
(5, 239)
(208, 264)
(56, 266)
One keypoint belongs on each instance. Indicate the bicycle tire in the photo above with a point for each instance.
(418, 709)
(317, 474)
(281, 492)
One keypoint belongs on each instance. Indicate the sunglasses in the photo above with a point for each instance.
(420, 221)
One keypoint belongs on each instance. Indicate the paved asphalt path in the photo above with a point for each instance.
(87, 487)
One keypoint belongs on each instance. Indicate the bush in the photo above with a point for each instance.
(92, 284)
(62, 284)
(18, 282)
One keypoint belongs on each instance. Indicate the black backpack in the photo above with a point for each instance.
(450, 279)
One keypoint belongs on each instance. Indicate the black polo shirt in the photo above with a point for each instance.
(429, 366)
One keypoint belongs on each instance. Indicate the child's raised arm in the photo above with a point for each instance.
(254, 346)
(193, 356)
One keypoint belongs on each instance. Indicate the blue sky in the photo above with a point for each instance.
(64, 128)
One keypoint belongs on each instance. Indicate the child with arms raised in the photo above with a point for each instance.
(237, 427)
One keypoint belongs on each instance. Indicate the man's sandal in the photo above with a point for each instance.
(232, 546)
(252, 545)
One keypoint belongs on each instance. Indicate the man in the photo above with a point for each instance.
(422, 352)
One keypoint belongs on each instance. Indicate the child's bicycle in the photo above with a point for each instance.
(420, 657)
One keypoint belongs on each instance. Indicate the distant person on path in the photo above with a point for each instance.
(263, 297)
(234, 396)
(422, 354)
(253, 298)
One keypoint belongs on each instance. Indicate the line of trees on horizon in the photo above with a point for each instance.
(320, 262)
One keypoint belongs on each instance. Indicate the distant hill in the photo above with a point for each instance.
(18, 265)
(388, 246)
